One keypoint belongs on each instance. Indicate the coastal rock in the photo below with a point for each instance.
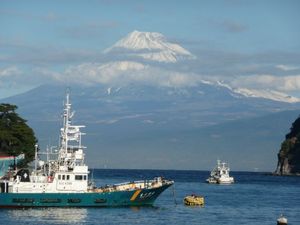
(289, 154)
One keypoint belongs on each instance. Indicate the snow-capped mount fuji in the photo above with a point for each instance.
(154, 47)
(151, 46)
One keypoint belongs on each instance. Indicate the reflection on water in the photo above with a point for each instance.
(138, 208)
(50, 215)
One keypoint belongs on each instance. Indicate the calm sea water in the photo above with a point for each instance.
(255, 198)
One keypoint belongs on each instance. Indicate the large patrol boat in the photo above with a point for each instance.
(220, 174)
(62, 180)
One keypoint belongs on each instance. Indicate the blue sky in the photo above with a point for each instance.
(50, 36)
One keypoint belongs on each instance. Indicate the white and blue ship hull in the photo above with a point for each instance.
(139, 197)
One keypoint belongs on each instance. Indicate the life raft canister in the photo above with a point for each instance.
(50, 179)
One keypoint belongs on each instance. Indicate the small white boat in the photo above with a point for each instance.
(220, 174)
(282, 220)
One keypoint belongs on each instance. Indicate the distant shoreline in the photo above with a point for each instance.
(285, 175)
(181, 170)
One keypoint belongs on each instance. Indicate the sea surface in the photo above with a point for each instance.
(255, 198)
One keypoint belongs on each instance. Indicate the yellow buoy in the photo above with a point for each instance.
(194, 200)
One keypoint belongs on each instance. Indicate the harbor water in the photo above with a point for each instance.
(255, 199)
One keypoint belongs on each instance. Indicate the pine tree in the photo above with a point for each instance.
(16, 136)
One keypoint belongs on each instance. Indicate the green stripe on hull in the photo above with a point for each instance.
(91, 199)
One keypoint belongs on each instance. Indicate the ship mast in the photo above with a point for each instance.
(70, 151)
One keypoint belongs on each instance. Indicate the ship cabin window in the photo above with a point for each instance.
(64, 177)
(78, 177)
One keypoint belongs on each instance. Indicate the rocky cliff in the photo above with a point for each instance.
(289, 154)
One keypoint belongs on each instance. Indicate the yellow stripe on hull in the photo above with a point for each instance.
(134, 196)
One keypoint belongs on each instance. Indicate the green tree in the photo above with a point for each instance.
(295, 129)
(16, 136)
(290, 150)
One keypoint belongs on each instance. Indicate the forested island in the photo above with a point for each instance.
(289, 153)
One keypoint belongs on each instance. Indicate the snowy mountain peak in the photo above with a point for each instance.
(257, 93)
(142, 40)
(151, 46)
(267, 94)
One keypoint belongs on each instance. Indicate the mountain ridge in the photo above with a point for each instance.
(174, 125)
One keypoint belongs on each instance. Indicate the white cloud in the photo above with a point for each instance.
(286, 83)
(45, 74)
(286, 67)
(13, 81)
(120, 73)
(124, 72)
(9, 71)
(291, 83)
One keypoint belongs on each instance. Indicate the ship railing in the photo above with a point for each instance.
(134, 185)
(39, 179)
(158, 181)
